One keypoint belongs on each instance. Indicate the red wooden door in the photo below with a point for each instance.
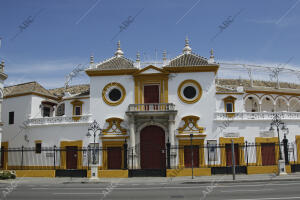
(72, 156)
(114, 157)
(188, 156)
(151, 94)
(152, 146)
(229, 154)
(268, 153)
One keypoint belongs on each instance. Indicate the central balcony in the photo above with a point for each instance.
(152, 109)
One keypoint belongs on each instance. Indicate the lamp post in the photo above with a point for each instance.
(276, 121)
(94, 127)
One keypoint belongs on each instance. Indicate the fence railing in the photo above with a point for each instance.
(197, 156)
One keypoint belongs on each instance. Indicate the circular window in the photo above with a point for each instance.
(113, 94)
(189, 91)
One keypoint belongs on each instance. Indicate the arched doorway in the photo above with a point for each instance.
(152, 146)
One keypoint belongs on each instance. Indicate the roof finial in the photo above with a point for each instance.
(119, 52)
(212, 53)
(212, 57)
(92, 59)
(164, 55)
(187, 49)
(138, 59)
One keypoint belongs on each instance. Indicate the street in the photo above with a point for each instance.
(231, 191)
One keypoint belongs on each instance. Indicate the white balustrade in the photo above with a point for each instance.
(151, 107)
(257, 115)
(59, 120)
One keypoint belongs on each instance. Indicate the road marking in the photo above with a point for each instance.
(271, 198)
(246, 190)
(171, 187)
(77, 193)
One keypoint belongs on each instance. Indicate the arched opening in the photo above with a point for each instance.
(60, 111)
(152, 147)
(251, 104)
(267, 104)
(294, 105)
(281, 105)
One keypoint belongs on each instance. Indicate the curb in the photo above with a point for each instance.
(242, 181)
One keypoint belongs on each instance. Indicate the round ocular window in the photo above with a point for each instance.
(113, 94)
(189, 91)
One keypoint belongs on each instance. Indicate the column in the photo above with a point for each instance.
(132, 152)
(172, 139)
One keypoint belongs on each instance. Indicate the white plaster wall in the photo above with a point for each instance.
(204, 108)
(99, 109)
(22, 108)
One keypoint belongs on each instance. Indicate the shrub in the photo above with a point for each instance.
(5, 174)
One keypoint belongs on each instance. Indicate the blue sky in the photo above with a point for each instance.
(66, 32)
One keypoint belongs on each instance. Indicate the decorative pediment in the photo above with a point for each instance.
(151, 70)
(190, 125)
(114, 127)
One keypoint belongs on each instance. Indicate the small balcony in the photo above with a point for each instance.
(239, 116)
(83, 119)
(152, 108)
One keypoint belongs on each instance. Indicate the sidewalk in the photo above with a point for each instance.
(160, 180)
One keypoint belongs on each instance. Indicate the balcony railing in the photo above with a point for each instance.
(151, 107)
(59, 120)
(257, 115)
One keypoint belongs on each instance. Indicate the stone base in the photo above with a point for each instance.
(94, 171)
(281, 168)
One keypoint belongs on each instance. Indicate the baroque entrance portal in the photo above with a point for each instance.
(152, 147)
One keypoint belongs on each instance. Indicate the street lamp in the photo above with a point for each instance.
(276, 121)
(94, 127)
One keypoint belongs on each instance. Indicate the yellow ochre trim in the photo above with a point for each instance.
(188, 172)
(63, 154)
(259, 141)
(298, 148)
(223, 141)
(229, 99)
(117, 122)
(76, 103)
(35, 173)
(107, 87)
(187, 121)
(182, 143)
(193, 82)
(111, 72)
(5, 160)
(105, 145)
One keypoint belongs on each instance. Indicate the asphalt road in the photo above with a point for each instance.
(231, 191)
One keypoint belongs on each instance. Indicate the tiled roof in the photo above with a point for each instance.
(78, 90)
(115, 63)
(26, 88)
(190, 59)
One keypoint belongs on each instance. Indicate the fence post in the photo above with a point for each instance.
(54, 152)
(22, 152)
(233, 160)
(247, 151)
(125, 154)
(88, 155)
(286, 150)
(168, 155)
(132, 157)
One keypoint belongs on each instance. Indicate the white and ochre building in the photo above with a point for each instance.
(146, 106)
